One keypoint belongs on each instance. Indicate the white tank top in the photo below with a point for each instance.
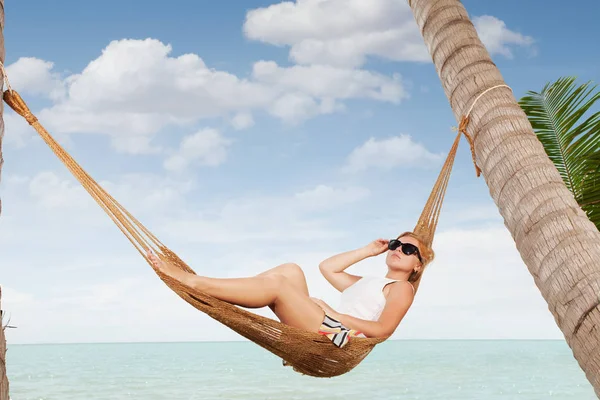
(364, 299)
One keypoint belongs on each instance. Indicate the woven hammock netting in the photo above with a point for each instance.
(308, 353)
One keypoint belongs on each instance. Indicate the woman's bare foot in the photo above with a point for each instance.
(162, 266)
(171, 270)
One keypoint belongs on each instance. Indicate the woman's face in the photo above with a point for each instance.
(397, 260)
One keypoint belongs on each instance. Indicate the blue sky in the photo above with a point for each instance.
(244, 142)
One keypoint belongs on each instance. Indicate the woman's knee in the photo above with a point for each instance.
(292, 271)
(278, 285)
(274, 282)
(287, 275)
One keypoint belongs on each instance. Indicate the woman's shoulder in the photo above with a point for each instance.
(403, 285)
(399, 286)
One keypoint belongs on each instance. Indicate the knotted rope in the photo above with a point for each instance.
(464, 122)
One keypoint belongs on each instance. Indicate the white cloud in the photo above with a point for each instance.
(16, 180)
(33, 76)
(17, 296)
(344, 33)
(139, 305)
(296, 107)
(497, 37)
(324, 197)
(339, 32)
(473, 213)
(242, 120)
(135, 88)
(17, 132)
(139, 77)
(205, 147)
(51, 191)
(327, 82)
(59, 192)
(316, 89)
(389, 153)
(147, 192)
(134, 144)
(301, 216)
(61, 223)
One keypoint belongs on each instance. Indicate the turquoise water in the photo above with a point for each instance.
(403, 369)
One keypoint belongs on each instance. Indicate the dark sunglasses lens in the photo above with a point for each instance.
(393, 244)
(409, 249)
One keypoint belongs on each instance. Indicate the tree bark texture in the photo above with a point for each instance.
(558, 243)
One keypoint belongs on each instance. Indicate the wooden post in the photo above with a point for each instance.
(3, 376)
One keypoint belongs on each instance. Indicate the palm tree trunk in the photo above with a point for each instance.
(556, 240)
(2, 57)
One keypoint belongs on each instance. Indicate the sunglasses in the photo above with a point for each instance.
(407, 248)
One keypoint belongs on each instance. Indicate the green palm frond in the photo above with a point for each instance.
(570, 133)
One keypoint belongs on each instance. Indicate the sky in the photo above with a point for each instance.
(250, 134)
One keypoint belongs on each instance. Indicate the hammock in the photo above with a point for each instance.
(307, 352)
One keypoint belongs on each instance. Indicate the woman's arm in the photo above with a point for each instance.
(397, 304)
(333, 267)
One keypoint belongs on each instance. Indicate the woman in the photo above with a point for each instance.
(370, 306)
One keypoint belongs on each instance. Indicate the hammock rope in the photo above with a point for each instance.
(307, 352)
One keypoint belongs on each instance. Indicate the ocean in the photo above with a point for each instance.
(396, 369)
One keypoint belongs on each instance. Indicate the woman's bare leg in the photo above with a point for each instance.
(286, 296)
(294, 274)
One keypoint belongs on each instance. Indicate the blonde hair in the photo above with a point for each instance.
(427, 256)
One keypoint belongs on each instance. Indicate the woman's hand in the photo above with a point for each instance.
(377, 247)
(328, 310)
